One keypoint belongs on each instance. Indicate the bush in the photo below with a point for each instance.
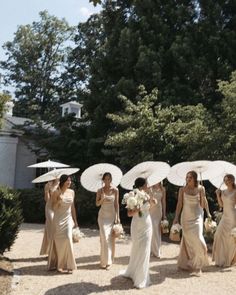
(33, 205)
(85, 203)
(10, 217)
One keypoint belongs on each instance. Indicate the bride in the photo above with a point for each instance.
(141, 234)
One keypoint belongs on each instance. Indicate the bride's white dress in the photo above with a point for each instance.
(141, 234)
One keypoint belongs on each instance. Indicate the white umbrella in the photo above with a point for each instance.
(153, 171)
(204, 169)
(229, 168)
(174, 178)
(91, 178)
(48, 164)
(54, 174)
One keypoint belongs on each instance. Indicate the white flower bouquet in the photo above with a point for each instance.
(136, 200)
(165, 226)
(175, 232)
(210, 225)
(77, 235)
(117, 230)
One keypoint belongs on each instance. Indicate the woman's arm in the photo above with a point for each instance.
(55, 197)
(202, 197)
(99, 198)
(73, 211)
(178, 206)
(163, 202)
(219, 200)
(131, 213)
(117, 207)
(46, 192)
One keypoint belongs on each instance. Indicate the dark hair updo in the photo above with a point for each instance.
(63, 179)
(106, 174)
(139, 182)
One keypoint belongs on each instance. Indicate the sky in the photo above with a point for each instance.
(14, 13)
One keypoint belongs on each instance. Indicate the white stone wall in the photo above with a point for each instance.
(8, 148)
(14, 159)
(24, 158)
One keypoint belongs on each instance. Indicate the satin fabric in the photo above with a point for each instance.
(141, 234)
(156, 216)
(224, 246)
(61, 254)
(106, 220)
(193, 249)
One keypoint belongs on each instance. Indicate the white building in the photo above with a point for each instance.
(71, 107)
(15, 156)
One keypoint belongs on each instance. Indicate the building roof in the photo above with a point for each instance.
(74, 103)
(10, 125)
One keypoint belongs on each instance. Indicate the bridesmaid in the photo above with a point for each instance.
(141, 234)
(224, 246)
(49, 217)
(193, 249)
(61, 254)
(158, 212)
(108, 198)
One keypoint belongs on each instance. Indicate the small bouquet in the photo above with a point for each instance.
(210, 225)
(175, 232)
(76, 235)
(165, 226)
(136, 200)
(117, 230)
(233, 233)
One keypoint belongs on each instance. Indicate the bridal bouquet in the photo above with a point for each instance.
(165, 226)
(175, 232)
(210, 225)
(77, 235)
(136, 200)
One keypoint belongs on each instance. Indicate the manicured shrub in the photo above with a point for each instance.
(10, 217)
(33, 205)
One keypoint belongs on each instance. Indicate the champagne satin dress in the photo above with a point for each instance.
(106, 220)
(224, 246)
(61, 254)
(156, 215)
(193, 249)
(48, 224)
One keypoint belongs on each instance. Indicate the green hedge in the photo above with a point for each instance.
(10, 217)
(33, 205)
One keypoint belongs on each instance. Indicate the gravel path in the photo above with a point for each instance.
(32, 278)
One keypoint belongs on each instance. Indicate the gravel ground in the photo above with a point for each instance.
(32, 278)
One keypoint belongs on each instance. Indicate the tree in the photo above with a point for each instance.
(37, 66)
(4, 97)
(224, 134)
(147, 130)
(180, 47)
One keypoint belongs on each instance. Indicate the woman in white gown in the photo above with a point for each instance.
(191, 201)
(108, 198)
(141, 234)
(224, 246)
(158, 212)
